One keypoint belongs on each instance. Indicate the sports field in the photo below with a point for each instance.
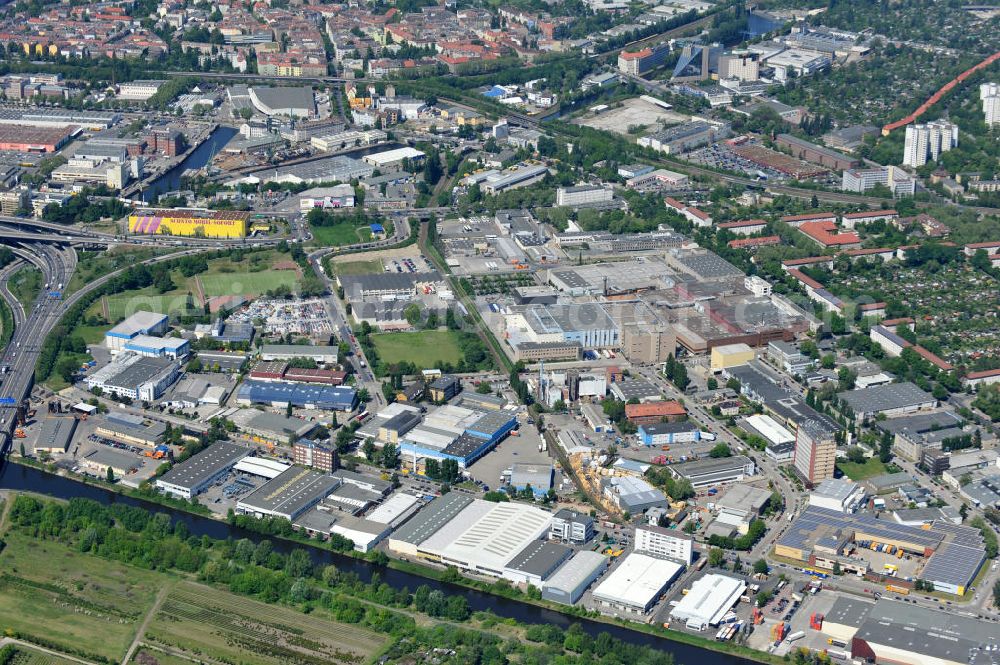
(425, 349)
(77, 602)
(201, 621)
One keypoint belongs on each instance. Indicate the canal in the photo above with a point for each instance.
(23, 478)
(199, 157)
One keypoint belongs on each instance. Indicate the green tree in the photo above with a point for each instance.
(716, 557)
(111, 475)
(760, 567)
(720, 450)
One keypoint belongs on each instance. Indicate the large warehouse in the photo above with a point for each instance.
(135, 377)
(820, 537)
(570, 582)
(889, 631)
(471, 534)
(139, 324)
(454, 432)
(201, 223)
(193, 476)
(713, 471)
(282, 393)
(708, 600)
(637, 583)
(288, 495)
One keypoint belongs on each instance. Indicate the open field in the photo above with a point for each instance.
(872, 467)
(77, 602)
(208, 623)
(247, 283)
(633, 112)
(358, 267)
(151, 656)
(26, 284)
(424, 348)
(92, 265)
(340, 234)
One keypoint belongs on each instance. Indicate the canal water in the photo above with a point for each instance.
(17, 477)
(199, 157)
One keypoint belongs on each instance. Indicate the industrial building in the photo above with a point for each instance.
(197, 223)
(890, 631)
(141, 323)
(536, 476)
(954, 554)
(708, 601)
(659, 434)
(632, 495)
(471, 534)
(294, 102)
(395, 157)
(130, 428)
(135, 377)
(587, 324)
(458, 433)
(738, 507)
(715, 471)
(730, 355)
(102, 460)
(288, 495)
(54, 435)
(282, 393)
(536, 563)
(654, 412)
(271, 428)
(194, 475)
(324, 355)
(387, 285)
(894, 399)
(636, 583)
(571, 581)
(174, 348)
(839, 494)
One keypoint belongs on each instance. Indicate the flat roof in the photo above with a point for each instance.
(848, 611)
(710, 465)
(769, 428)
(114, 459)
(196, 470)
(55, 433)
(709, 599)
(298, 350)
(290, 493)
(948, 636)
(837, 489)
(885, 398)
(139, 372)
(637, 580)
(432, 518)
(139, 322)
(580, 567)
(539, 558)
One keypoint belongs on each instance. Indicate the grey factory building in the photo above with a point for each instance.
(288, 495)
(536, 563)
(569, 583)
(55, 435)
(892, 399)
(192, 476)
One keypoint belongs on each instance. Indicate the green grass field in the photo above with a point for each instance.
(249, 284)
(854, 471)
(26, 284)
(79, 602)
(425, 349)
(358, 267)
(341, 234)
(205, 622)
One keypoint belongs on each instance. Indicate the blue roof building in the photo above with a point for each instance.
(307, 396)
(377, 228)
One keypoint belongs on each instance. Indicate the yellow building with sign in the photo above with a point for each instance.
(195, 223)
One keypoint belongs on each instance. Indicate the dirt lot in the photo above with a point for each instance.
(632, 112)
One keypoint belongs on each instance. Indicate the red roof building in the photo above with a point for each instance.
(827, 234)
(796, 220)
(745, 243)
(654, 412)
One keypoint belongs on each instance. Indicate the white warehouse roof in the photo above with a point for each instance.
(392, 156)
(257, 466)
(771, 429)
(637, 581)
(709, 599)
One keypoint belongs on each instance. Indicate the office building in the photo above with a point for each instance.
(570, 526)
(637, 63)
(743, 66)
(926, 142)
(861, 180)
(989, 93)
(139, 91)
(582, 196)
(665, 543)
(815, 451)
